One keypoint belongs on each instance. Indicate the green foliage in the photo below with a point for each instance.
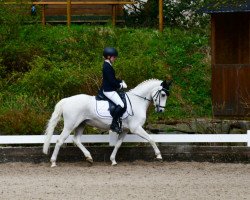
(176, 13)
(25, 121)
(44, 64)
(12, 17)
(22, 114)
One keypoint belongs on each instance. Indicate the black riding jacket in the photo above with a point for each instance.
(109, 81)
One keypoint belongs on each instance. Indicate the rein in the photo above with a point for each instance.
(145, 98)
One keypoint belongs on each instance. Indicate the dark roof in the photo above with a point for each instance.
(229, 6)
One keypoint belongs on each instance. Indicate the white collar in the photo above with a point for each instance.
(108, 61)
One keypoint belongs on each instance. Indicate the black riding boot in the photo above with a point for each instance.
(116, 125)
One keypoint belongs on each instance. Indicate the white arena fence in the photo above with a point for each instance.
(111, 138)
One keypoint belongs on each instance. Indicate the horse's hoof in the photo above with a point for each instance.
(159, 158)
(114, 163)
(90, 161)
(53, 164)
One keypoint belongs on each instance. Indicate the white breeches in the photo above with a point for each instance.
(113, 96)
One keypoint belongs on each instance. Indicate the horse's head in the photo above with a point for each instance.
(160, 95)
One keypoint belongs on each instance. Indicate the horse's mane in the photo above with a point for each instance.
(143, 83)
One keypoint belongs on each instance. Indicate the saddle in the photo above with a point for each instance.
(105, 107)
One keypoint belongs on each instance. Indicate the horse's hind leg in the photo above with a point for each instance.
(77, 140)
(64, 135)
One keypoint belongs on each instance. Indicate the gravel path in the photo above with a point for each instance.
(137, 180)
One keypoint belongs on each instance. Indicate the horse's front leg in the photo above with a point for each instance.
(117, 146)
(142, 133)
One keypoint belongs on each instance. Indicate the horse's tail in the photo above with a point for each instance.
(56, 116)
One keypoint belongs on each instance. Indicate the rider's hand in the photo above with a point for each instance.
(124, 85)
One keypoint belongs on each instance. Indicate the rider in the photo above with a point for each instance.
(110, 84)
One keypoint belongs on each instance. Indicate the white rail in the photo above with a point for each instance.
(112, 137)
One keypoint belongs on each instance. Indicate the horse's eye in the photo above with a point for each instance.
(163, 95)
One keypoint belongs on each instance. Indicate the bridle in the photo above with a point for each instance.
(155, 96)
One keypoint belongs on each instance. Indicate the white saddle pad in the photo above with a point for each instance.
(102, 109)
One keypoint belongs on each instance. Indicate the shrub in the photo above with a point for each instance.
(22, 114)
(177, 13)
(59, 62)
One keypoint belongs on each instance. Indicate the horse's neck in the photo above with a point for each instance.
(145, 88)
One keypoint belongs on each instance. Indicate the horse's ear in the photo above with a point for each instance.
(169, 83)
(166, 84)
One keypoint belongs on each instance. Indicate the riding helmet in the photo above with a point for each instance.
(110, 51)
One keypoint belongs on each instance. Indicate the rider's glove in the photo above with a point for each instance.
(123, 84)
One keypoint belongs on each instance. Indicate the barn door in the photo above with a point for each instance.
(231, 90)
(231, 64)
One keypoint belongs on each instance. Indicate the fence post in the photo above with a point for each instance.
(43, 15)
(248, 138)
(161, 15)
(113, 14)
(113, 137)
(68, 12)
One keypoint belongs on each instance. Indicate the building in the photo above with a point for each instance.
(230, 44)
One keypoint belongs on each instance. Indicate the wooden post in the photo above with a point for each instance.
(68, 12)
(161, 15)
(213, 36)
(113, 14)
(213, 62)
(43, 15)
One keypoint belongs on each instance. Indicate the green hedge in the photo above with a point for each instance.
(41, 65)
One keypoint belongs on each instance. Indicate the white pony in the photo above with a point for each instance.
(80, 110)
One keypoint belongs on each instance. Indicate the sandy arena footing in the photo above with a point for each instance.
(138, 180)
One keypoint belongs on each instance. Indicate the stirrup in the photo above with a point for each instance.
(116, 129)
(120, 125)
